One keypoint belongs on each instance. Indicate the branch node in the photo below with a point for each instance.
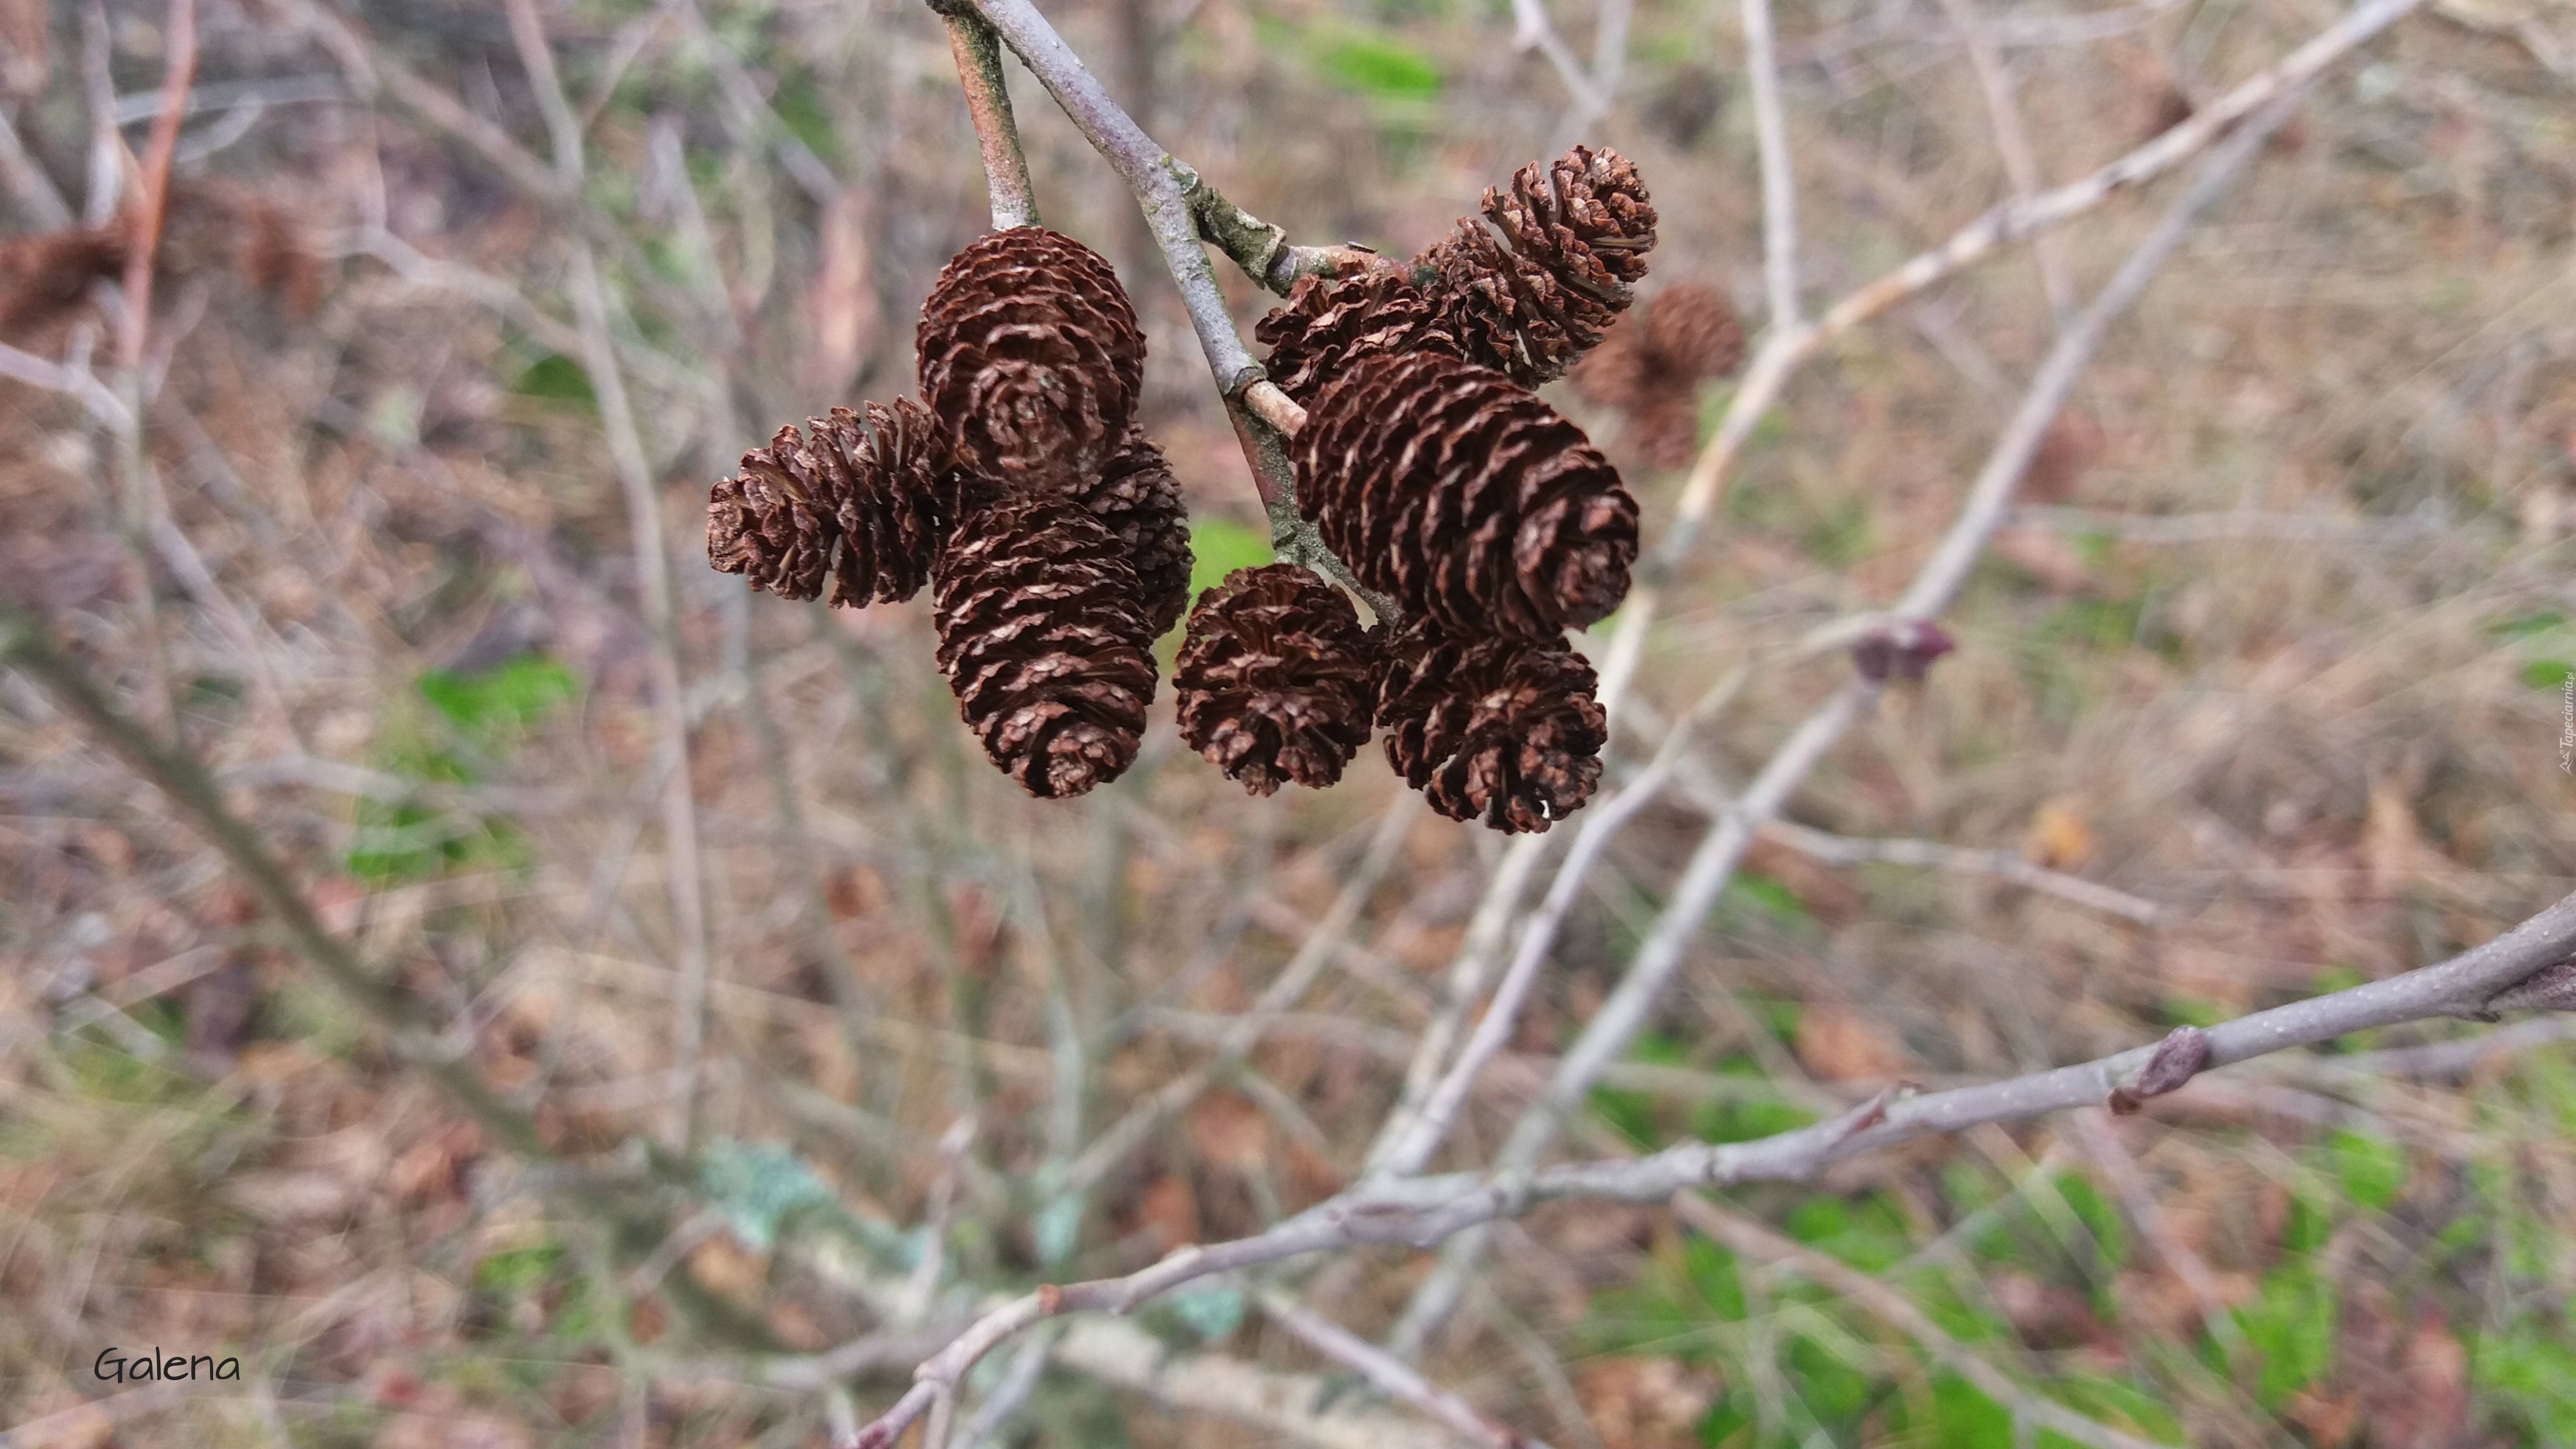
(2177, 1059)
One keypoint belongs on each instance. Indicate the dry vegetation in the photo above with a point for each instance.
(2276, 644)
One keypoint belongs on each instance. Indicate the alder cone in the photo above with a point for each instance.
(1574, 233)
(1044, 642)
(1329, 321)
(1277, 679)
(1466, 498)
(1030, 352)
(1505, 731)
(1138, 501)
(1692, 331)
(863, 500)
(1651, 366)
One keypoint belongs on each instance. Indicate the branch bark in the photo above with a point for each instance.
(1422, 1212)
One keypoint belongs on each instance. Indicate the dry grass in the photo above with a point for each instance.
(414, 655)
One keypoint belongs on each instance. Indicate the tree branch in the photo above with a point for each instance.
(1423, 1211)
(988, 100)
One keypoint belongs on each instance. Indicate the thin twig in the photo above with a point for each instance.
(1783, 352)
(2001, 864)
(1421, 1212)
(1388, 1375)
(988, 102)
(1713, 863)
(684, 877)
(1779, 182)
(1163, 187)
(1130, 1132)
(2012, 145)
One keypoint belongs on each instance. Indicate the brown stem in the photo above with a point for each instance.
(988, 100)
(182, 67)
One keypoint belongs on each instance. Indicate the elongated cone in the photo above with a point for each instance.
(1568, 243)
(1044, 642)
(1503, 731)
(1276, 679)
(861, 499)
(1030, 354)
(1465, 497)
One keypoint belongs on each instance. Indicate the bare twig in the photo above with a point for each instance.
(2012, 145)
(25, 645)
(1783, 352)
(2001, 864)
(1387, 1374)
(1175, 1096)
(1779, 182)
(1163, 188)
(685, 879)
(1721, 849)
(988, 101)
(25, 179)
(1424, 1211)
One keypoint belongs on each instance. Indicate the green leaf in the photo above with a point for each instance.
(1218, 548)
(507, 698)
(1377, 66)
(2528, 625)
(518, 1272)
(2291, 1328)
(2548, 675)
(2372, 1171)
(556, 378)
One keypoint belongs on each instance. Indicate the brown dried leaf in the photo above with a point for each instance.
(1840, 1045)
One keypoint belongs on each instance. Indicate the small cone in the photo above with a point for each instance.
(1044, 643)
(1574, 234)
(1031, 354)
(1466, 498)
(861, 499)
(1503, 731)
(1277, 679)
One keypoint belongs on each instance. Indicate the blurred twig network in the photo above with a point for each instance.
(1969, 622)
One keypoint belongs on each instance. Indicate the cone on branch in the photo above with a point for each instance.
(1569, 242)
(1329, 321)
(1044, 640)
(1277, 680)
(1504, 731)
(1136, 498)
(861, 499)
(1465, 498)
(1031, 355)
(1651, 365)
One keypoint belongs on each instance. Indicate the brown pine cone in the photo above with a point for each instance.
(1692, 332)
(1276, 680)
(1030, 353)
(1651, 365)
(1465, 497)
(1330, 320)
(1137, 500)
(1044, 644)
(1499, 730)
(1575, 233)
(863, 502)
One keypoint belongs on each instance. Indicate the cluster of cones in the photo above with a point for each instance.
(1054, 542)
